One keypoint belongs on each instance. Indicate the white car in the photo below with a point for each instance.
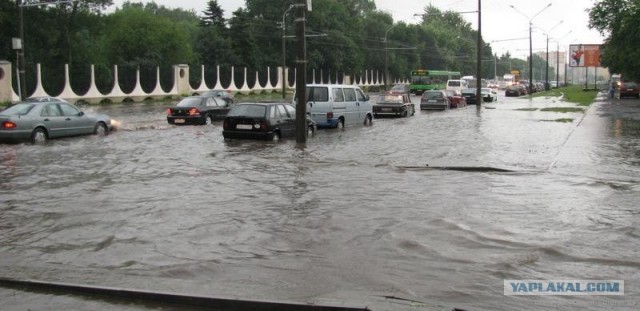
(488, 94)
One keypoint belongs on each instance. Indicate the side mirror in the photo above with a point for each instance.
(81, 113)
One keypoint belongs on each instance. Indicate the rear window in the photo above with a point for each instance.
(391, 99)
(454, 83)
(433, 95)
(317, 93)
(190, 102)
(251, 111)
(17, 109)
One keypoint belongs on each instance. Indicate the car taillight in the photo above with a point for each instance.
(194, 112)
(329, 115)
(168, 111)
(9, 125)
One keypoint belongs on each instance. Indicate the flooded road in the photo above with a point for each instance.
(353, 217)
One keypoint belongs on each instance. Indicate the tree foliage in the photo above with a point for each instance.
(619, 21)
(343, 37)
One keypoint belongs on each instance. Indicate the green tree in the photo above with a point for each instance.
(619, 22)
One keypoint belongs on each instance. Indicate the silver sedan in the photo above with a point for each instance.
(39, 120)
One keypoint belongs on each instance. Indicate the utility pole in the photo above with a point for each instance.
(301, 68)
(21, 65)
(479, 62)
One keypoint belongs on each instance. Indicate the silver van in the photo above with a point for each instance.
(337, 106)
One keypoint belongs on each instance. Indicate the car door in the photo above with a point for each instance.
(364, 106)
(53, 119)
(353, 109)
(76, 121)
(287, 121)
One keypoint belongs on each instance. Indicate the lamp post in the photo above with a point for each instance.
(530, 44)
(558, 61)
(386, 65)
(546, 84)
(284, 54)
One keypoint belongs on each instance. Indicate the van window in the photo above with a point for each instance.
(360, 95)
(350, 95)
(338, 96)
(317, 93)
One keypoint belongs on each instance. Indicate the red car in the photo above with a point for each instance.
(455, 99)
(628, 89)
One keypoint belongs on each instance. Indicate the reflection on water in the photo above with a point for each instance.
(178, 209)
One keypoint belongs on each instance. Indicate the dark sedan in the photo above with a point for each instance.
(38, 120)
(470, 96)
(266, 121)
(628, 89)
(393, 105)
(512, 91)
(435, 100)
(198, 110)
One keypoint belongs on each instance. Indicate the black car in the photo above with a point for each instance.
(198, 110)
(469, 96)
(267, 121)
(399, 105)
(512, 91)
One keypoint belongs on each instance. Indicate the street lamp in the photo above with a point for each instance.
(546, 84)
(386, 65)
(558, 60)
(530, 44)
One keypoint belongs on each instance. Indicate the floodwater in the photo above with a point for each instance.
(353, 217)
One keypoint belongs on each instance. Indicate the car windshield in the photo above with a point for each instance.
(390, 99)
(17, 109)
(251, 111)
(190, 102)
(433, 95)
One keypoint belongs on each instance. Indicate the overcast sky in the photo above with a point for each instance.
(565, 20)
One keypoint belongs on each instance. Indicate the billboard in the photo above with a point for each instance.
(584, 55)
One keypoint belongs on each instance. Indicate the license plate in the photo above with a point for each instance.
(629, 90)
(386, 109)
(178, 121)
(244, 126)
(432, 101)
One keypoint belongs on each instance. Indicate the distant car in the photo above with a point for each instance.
(265, 121)
(434, 100)
(400, 88)
(227, 96)
(398, 105)
(488, 95)
(455, 99)
(39, 119)
(469, 96)
(198, 110)
(512, 91)
(628, 89)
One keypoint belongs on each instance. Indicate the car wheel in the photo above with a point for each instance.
(405, 114)
(367, 120)
(39, 136)
(310, 131)
(340, 124)
(100, 129)
(275, 137)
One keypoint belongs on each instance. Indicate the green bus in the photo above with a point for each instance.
(423, 80)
